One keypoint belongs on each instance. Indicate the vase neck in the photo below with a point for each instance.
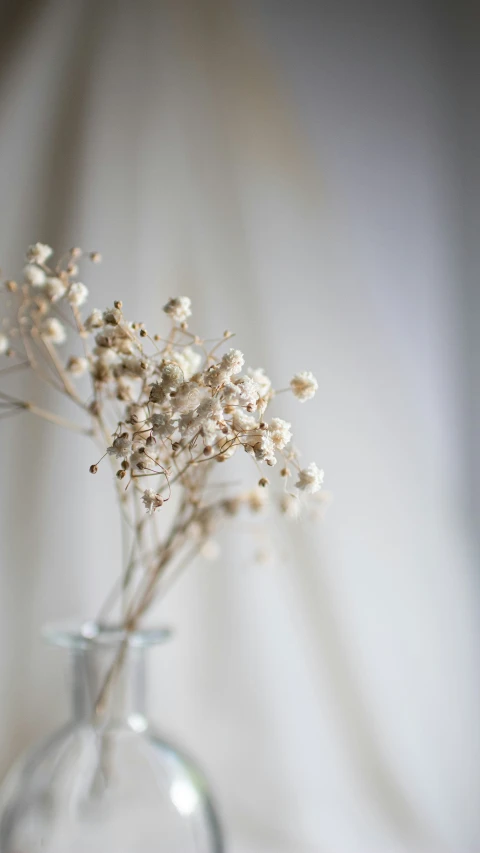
(108, 685)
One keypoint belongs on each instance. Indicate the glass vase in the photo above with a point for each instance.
(105, 782)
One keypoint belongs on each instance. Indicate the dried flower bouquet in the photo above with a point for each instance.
(166, 410)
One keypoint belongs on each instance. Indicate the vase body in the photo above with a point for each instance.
(105, 782)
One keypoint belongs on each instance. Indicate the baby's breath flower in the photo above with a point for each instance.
(151, 500)
(216, 376)
(39, 253)
(138, 460)
(102, 369)
(188, 361)
(34, 275)
(77, 365)
(226, 447)
(310, 480)
(136, 414)
(134, 366)
(124, 390)
(162, 424)
(262, 381)
(178, 308)
(55, 288)
(94, 320)
(304, 385)
(157, 393)
(209, 431)
(121, 447)
(210, 409)
(173, 412)
(280, 432)
(105, 339)
(171, 376)
(290, 505)
(257, 499)
(121, 340)
(233, 361)
(77, 294)
(112, 316)
(242, 421)
(187, 398)
(247, 391)
(263, 448)
(52, 330)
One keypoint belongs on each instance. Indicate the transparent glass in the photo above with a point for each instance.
(105, 782)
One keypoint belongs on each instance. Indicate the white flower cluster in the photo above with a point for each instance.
(181, 408)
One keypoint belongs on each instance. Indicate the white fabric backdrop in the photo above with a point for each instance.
(291, 168)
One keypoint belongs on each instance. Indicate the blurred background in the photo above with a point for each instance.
(308, 174)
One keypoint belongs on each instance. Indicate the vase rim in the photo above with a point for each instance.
(88, 633)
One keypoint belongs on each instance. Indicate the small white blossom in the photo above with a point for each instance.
(188, 425)
(136, 414)
(34, 275)
(134, 366)
(257, 499)
(280, 432)
(94, 320)
(121, 447)
(247, 391)
(263, 448)
(210, 408)
(226, 446)
(242, 421)
(209, 432)
(259, 377)
(178, 308)
(39, 253)
(162, 424)
(3, 343)
(55, 288)
(304, 385)
(233, 361)
(216, 376)
(188, 361)
(77, 294)
(171, 376)
(290, 505)
(310, 479)
(138, 460)
(112, 316)
(157, 393)
(107, 356)
(187, 398)
(52, 329)
(151, 500)
(77, 365)
(122, 342)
